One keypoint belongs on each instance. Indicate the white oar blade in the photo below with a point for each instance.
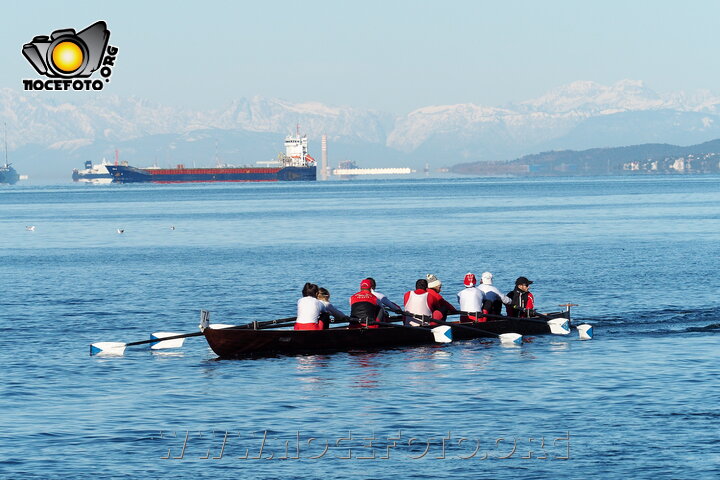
(442, 334)
(218, 326)
(160, 344)
(510, 338)
(559, 326)
(107, 348)
(585, 331)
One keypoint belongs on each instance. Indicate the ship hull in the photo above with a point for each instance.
(91, 177)
(128, 174)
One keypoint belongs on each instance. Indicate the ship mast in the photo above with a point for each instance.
(5, 125)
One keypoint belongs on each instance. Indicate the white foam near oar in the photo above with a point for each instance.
(442, 334)
(585, 331)
(559, 326)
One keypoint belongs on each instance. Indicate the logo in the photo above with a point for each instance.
(68, 58)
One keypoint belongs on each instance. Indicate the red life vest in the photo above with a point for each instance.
(365, 307)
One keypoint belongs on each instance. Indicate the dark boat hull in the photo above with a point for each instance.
(523, 326)
(240, 342)
(231, 342)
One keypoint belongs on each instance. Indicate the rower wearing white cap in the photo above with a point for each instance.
(494, 298)
(470, 299)
(440, 307)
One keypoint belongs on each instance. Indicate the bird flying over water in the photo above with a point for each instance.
(120, 230)
(30, 228)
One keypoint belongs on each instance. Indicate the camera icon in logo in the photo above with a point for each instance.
(66, 53)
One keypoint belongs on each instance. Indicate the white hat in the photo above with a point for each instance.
(433, 281)
(487, 278)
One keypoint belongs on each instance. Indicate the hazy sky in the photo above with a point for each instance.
(387, 55)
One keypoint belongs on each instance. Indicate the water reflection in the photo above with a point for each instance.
(475, 360)
(559, 346)
(309, 363)
(369, 372)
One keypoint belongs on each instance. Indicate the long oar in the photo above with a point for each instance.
(505, 338)
(441, 334)
(160, 340)
(118, 348)
(557, 325)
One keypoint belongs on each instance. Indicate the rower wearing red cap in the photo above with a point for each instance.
(365, 306)
(471, 300)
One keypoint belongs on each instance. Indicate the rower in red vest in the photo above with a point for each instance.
(365, 306)
(440, 307)
(426, 300)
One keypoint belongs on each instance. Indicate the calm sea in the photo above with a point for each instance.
(639, 255)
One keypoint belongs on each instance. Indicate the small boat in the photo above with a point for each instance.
(93, 173)
(7, 172)
(234, 342)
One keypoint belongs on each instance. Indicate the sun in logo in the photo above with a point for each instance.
(67, 56)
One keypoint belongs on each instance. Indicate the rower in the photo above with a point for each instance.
(471, 299)
(494, 298)
(385, 302)
(310, 311)
(365, 307)
(440, 307)
(523, 301)
(324, 297)
(416, 302)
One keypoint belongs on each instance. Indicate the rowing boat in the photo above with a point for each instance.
(233, 342)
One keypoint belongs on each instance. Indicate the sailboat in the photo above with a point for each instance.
(7, 172)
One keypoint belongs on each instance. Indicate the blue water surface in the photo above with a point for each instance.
(638, 254)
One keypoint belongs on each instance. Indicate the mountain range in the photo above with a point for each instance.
(48, 136)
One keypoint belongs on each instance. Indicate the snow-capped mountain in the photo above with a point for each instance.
(543, 122)
(579, 115)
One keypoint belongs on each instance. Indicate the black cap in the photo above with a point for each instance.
(522, 281)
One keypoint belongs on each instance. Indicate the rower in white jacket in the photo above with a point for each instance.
(471, 299)
(494, 298)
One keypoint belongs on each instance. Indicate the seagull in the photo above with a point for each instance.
(172, 227)
(30, 228)
(120, 230)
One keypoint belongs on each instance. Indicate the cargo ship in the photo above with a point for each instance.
(294, 165)
(97, 173)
